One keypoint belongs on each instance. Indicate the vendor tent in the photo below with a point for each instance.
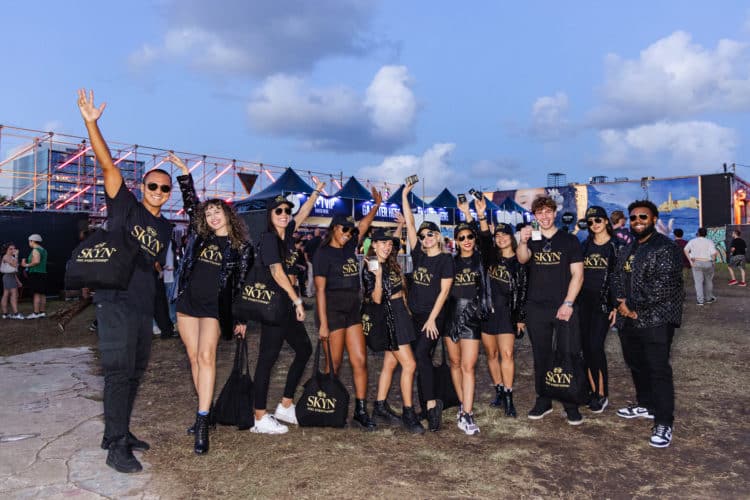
(353, 190)
(288, 182)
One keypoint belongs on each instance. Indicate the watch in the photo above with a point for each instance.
(568, 303)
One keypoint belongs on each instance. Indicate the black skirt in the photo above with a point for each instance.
(463, 322)
(402, 319)
(499, 321)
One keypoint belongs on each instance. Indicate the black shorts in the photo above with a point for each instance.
(462, 320)
(499, 321)
(197, 307)
(342, 309)
(404, 326)
(37, 283)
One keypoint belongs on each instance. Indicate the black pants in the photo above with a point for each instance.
(540, 322)
(124, 346)
(594, 327)
(424, 348)
(646, 352)
(271, 340)
(161, 310)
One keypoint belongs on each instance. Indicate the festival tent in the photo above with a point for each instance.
(288, 182)
(414, 200)
(353, 190)
(510, 212)
(444, 200)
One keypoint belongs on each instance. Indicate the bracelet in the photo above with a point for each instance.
(297, 302)
(483, 218)
(316, 191)
(568, 303)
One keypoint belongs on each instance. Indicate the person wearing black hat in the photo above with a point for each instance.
(276, 250)
(508, 281)
(338, 315)
(430, 286)
(470, 303)
(384, 284)
(597, 301)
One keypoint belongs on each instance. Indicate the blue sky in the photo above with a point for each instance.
(487, 94)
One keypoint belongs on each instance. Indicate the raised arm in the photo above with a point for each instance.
(364, 224)
(91, 114)
(464, 208)
(304, 211)
(189, 196)
(411, 229)
(481, 206)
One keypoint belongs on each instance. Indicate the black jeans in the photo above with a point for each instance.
(646, 352)
(424, 349)
(540, 322)
(124, 346)
(271, 340)
(594, 327)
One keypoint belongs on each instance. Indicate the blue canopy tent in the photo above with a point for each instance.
(510, 212)
(353, 190)
(288, 182)
(414, 200)
(445, 204)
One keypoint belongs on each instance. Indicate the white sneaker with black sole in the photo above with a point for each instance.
(466, 423)
(634, 411)
(661, 436)
(288, 415)
(268, 425)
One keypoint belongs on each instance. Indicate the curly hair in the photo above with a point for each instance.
(543, 202)
(644, 204)
(237, 230)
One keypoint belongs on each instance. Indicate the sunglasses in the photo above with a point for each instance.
(152, 186)
(633, 218)
(280, 211)
(346, 229)
(594, 220)
(428, 234)
(469, 237)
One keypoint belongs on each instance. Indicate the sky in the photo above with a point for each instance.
(484, 94)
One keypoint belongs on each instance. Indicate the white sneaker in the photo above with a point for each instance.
(16, 316)
(635, 411)
(6, 316)
(32, 316)
(661, 436)
(466, 423)
(155, 330)
(288, 415)
(269, 425)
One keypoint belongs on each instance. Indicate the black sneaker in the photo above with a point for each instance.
(435, 416)
(574, 416)
(410, 421)
(382, 413)
(120, 457)
(597, 403)
(661, 436)
(540, 409)
(133, 442)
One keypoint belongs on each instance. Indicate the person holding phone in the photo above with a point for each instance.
(338, 317)
(384, 283)
(430, 285)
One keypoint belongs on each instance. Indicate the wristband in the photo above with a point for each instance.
(568, 303)
(483, 218)
(297, 302)
(316, 191)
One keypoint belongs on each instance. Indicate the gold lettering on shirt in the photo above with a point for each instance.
(148, 239)
(211, 255)
(350, 268)
(465, 277)
(547, 258)
(422, 277)
(595, 261)
(628, 267)
(500, 273)
(395, 279)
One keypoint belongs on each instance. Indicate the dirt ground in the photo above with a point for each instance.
(606, 457)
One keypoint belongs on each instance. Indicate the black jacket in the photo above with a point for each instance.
(656, 288)
(234, 264)
(368, 283)
(519, 276)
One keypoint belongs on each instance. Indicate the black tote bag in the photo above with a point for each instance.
(565, 377)
(261, 299)
(443, 383)
(234, 406)
(325, 400)
(374, 326)
(104, 260)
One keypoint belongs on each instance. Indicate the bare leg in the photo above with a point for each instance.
(357, 349)
(454, 357)
(491, 349)
(507, 365)
(208, 339)
(408, 367)
(386, 375)
(189, 328)
(469, 355)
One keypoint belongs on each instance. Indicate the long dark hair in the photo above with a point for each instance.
(280, 243)
(607, 227)
(329, 235)
(392, 263)
(237, 229)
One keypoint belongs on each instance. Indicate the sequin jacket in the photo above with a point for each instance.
(368, 283)
(656, 288)
(234, 263)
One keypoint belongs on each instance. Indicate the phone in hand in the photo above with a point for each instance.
(461, 198)
(372, 265)
(412, 179)
(476, 194)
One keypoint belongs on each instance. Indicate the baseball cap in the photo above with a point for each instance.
(429, 225)
(342, 220)
(596, 211)
(35, 237)
(504, 228)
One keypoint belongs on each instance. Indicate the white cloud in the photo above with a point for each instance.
(433, 168)
(668, 147)
(338, 118)
(492, 175)
(259, 37)
(548, 117)
(673, 78)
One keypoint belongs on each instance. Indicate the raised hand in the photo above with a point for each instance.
(400, 219)
(463, 206)
(319, 186)
(408, 188)
(177, 161)
(481, 206)
(89, 111)
(377, 196)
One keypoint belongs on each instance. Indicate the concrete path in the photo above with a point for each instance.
(51, 427)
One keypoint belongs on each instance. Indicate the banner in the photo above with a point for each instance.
(328, 207)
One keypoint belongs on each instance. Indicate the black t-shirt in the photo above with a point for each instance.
(500, 276)
(549, 268)
(595, 261)
(153, 235)
(395, 280)
(739, 245)
(270, 253)
(204, 279)
(465, 274)
(426, 277)
(339, 266)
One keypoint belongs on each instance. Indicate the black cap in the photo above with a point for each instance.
(504, 228)
(278, 201)
(382, 234)
(464, 226)
(596, 211)
(342, 220)
(429, 225)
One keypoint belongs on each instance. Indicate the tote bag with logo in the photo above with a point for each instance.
(104, 260)
(325, 400)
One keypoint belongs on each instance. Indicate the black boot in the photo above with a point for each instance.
(510, 409)
(361, 417)
(120, 456)
(499, 400)
(211, 421)
(201, 434)
(410, 421)
(435, 416)
(382, 413)
(134, 442)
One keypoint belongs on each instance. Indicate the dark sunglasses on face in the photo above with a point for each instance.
(280, 211)
(346, 229)
(427, 234)
(469, 237)
(152, 186)
(638, 216)
(594, 220)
